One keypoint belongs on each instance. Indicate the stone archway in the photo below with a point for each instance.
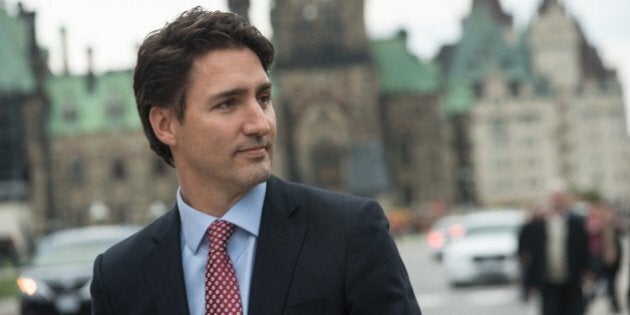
(323, 143)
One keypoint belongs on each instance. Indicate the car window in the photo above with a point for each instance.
(491, 229)
(69, 253)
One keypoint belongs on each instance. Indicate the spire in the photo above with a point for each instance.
(64, 49)
(90, 77)
(240, 7)
(497, 11)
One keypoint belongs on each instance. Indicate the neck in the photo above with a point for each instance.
(215, 202)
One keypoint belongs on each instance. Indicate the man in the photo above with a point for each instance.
(239, 241)
(559, 257)
(526, 237)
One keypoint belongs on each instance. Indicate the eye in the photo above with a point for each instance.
(228, 103)
(264, 99)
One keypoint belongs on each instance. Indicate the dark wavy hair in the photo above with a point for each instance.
(165, 59)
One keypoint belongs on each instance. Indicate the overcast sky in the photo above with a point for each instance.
(114, 28)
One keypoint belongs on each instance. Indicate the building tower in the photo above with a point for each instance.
(555, 42)
(327, 104)
(23, 143)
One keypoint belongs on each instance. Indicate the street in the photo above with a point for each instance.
(437, 298)
(9, 306)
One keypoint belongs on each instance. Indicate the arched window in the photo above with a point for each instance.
(327, 165)
(119, 169)
(76, 172)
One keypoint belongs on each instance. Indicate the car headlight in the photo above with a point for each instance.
(33, 288)
(28, 286)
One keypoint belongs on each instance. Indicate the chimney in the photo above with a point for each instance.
(240, 7)
(91, 80)
(64, 49)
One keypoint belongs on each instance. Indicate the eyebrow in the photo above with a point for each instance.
(241, 90)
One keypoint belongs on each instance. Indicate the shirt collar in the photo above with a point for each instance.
(245, 214)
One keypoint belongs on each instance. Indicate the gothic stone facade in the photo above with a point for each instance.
(338, 130)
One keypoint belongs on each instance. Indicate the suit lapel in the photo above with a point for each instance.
(279, 243)
(162, 267)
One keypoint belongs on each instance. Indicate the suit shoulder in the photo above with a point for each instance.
(136, 246)
(329, 208)
(314, 195)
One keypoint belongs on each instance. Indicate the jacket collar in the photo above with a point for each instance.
(278, 247)
(162, 267)
(277, 250)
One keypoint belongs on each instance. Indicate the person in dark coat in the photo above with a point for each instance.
(526, 237)
(559, 257)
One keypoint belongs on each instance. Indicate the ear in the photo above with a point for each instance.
(163, 122)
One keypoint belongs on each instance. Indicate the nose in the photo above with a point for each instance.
(257, 119)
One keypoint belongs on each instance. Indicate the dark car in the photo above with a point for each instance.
(57, 280)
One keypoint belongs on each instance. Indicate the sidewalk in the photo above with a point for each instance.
(9, 306)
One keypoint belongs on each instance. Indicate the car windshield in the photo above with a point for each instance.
(72, 252)
(446, 221)
(491, 229)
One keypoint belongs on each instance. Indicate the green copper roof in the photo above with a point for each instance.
(481, 44)
(458, 98)
(400, 71)
(482, 50)
(109, 106)
(16, 74)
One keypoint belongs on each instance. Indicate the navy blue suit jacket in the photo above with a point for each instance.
(317, 252)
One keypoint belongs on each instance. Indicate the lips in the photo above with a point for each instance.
(252, 149)
(257, 149)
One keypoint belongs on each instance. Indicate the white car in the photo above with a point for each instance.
(443, 231)
(488, 249)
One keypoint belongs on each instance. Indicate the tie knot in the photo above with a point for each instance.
(220, 232)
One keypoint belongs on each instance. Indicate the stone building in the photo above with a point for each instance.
(102, 166)
(328, 96)
(552, 111)
(487, 42)
(347, 121)
(72, 145)
(357, 116)
(416, 133)
(490, 121)
(23, 142)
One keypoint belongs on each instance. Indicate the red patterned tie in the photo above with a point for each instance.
(222, 295)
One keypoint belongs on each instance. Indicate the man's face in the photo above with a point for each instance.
(559, 201)
(227, 134)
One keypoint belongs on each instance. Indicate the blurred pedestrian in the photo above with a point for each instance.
(239, 240)
(526, 237)
(605, 250)
(560, 256)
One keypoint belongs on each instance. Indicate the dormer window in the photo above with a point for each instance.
(76, 171)
(115, 108)
(69, 113)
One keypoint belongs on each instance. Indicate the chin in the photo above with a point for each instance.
(258, 175)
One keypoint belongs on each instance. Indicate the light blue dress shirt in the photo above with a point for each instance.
(245, 214)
